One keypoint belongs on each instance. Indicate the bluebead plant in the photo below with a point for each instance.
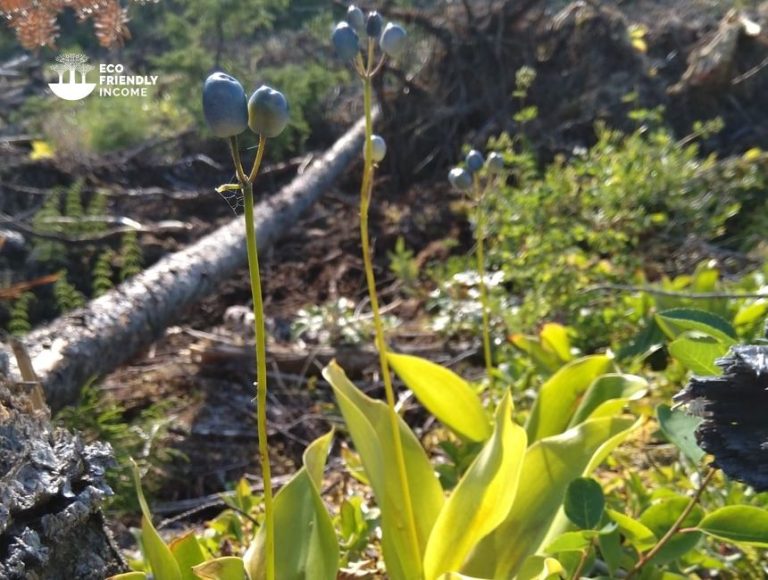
(511, 491)
(471, 180)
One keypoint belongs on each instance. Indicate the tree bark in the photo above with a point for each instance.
(51, 489)
(111, 329)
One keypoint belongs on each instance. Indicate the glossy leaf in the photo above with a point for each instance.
(680, 429)
(677, 321)
(549, 466)
(546, 360)
(305, 539)
(697, 352)
(188, 553)
(584, 502)
(481, 499)
(445, 394)
(158, 555)
(368, 421)
(227, 568)
(561, 394)
(129, 576)
(636, 533)
(660, 516)
(457, 576)
(741, 524)
(607, 396)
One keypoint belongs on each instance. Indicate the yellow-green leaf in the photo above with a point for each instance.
(129, 576)
(305, 540)
(555, 337)
(481, 499)
(741, 524)
(635, 532)
(227, 568)
(549, 466)
(445, 394)
(368, 421)
(560, 395)
(188, 553)
(158, 555)
(540, 568)
(618, 389)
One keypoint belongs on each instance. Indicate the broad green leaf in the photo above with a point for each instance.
(481, 499)
(751, 313)
(227, 568)
(445, 394)
(617, 389)
(680, 429)
(549, 466)
(676, 321)
(129, 576)
(457, 576)
(188, 553)
(660, 516)
(305, 539)
(368, 422)
(158, 555)
(697, 352)
(555, 337)
(741, 524)
(571, 542)
(560, 395)
(540, 568)
(584, 502)
(611, 551)
(636, 533)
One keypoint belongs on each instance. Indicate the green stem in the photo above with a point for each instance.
(261, 347)
(582, 563)
(365, 198)
(648, 556)
(480, 234)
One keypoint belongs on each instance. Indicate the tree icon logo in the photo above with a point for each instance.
(72, 69)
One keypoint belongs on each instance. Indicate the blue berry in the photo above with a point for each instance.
(356, 19)
(378, 148)
(495, 163)
(474, 160)
(374, 24)
(224, 105)
(345, 41)
(460, 179)
(393, 39)
(267, 112)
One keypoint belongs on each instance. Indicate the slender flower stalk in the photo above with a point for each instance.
(228, 113)
(366, 190)
(246, 184)
(480, 236)
(347, 47)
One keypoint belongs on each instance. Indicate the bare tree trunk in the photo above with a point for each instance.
(111, 329)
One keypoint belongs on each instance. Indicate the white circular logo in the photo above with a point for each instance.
(72, 69)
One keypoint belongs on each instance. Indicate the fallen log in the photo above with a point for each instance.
(108, 331)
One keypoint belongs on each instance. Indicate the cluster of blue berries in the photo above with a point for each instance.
(461, 178)
(352, 34)
(228, 113)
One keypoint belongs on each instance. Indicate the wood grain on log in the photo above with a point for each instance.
(111, 329)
